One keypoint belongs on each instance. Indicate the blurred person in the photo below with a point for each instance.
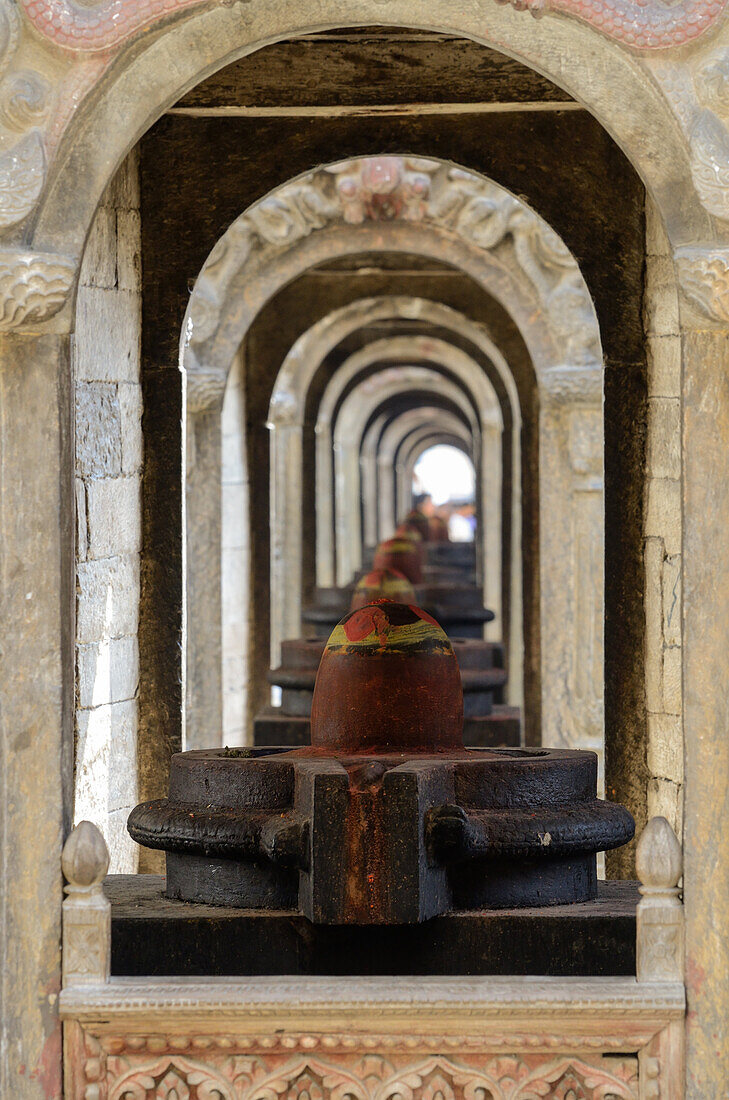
(462, 524)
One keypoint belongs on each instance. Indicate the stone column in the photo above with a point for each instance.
(705, 387)
(347, 519)
(286, 534)
(36, 716)
(324, 507)
(571, 549)
(202, 712)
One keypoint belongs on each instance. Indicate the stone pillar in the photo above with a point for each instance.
(36, 716)
(108, 432)
(571, 549)
(202, 713)
(324, 507)
(704, 276)
(286, 533)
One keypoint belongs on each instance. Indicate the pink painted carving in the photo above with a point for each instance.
(180, 1067)
(642, 24)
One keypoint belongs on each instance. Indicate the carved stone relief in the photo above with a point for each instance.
(704, 279)
(341, 1068)
(33, 286)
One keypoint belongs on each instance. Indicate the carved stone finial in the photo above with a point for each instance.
(85, 857)
(658, 857)
(659, 946)
(86, 911)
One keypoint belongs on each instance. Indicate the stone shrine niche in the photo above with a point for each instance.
(431, 209)
(666, 112)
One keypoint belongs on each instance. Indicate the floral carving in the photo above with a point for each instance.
(383, 188)
(704, 279)
(355, 1075)
(33, 286)
(23, 100)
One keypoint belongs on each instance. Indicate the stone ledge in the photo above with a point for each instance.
(154, 936)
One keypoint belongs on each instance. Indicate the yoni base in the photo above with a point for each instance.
(381, 838)
(499, 729)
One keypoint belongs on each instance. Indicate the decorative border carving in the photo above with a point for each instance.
(106, 24)
(363, 1066)
(33, 286)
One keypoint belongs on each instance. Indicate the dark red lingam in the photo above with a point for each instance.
(388, 682)
(382, 584)
(401, 554)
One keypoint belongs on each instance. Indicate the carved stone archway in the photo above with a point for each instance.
(348, 431)
(400, 434)
(445, 212)
(286, 420)
(368, 465)
(453, 362)
(102, 74)
(411, 451)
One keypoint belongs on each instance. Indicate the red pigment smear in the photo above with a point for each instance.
(368, 620)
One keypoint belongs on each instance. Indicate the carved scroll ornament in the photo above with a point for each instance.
(647, 25)
(33, 286)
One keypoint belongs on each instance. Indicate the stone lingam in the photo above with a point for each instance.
(385, 818)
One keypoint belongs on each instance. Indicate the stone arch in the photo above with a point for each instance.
(368, 464)
(446, 212)
(196, 43)
(363, 400)
(412, 449)
(414, 349)
(286, 419)
(403, 432)
(628, 100)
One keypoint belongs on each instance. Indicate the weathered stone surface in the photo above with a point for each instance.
(664, 366)
(82, 534)
(107, 672)
(36, 735)
(99, 263)
(129, 256)
(101, 313)
(114, 517)
(664, 437)
(665, 748)
(106, 742)
(672, 602)
(706, 708)
(672, 681)
(663, 516)
(98, 430)
(108, 602)
(130, 411)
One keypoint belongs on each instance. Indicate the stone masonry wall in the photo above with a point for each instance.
(662, 544)
(108, 411)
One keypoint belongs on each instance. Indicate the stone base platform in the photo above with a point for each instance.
(155, 936)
